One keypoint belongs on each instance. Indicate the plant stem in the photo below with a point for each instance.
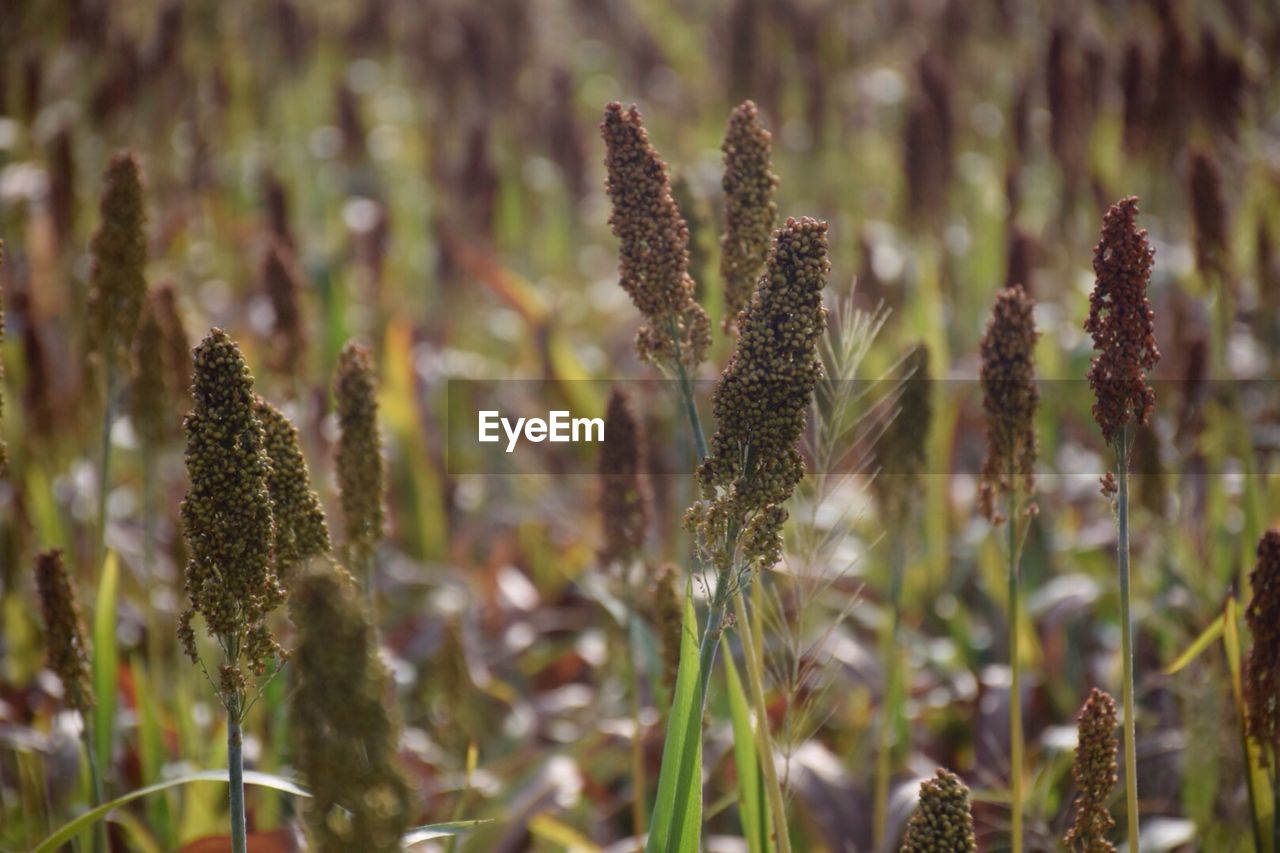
(1126, 640)
(687, 397)
(154, 650)
(884, 757)
(95, 782)
(1015, 678)
(235, 773)
(764, 741)
(640, 788)
(104, 461)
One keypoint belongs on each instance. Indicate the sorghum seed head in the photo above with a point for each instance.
(226, 514)
(750, 211)
(1262, 669)
(282, 281)
(666, 609)
(301, 532)
(66, 647)
(150, 406)
(763, 397)
(346, 736)
(1095, 772)
(1009, 399)
(942, 822)
(653, 259)
(1208, 212)
(1122, 323)
(175, 345)
(622, 499)
(901, 450)
(119, 247)
(359, 456)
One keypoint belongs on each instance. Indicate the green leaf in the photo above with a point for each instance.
(251, 777)
(441, 830)
(104, 661)
(151, 749)
(751, 806)
(1197, 647)
(1257, 779)
(677, 812)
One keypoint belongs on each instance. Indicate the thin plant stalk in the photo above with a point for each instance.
(104, 460)
(1015, 672)
(154, 651)
(764, 741)
(235, 774)
(884, 762)
(711, 638)
(95, 782)
(1126, 638)
(639, 819)
(687, 398)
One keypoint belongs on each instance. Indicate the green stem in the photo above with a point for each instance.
(235, 773)
(1015, 679)
(639, 819)
(104, 461)
(686, 395)
(1126, 640)
(95, 781)
(154, 649)
(764, 741)
(884, 752)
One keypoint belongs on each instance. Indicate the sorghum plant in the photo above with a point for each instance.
(754, 464)
(1123, 328)
(900, 456)
(301, 531)
(622, 502)
(1262, 668)
(175, 345)
(1209, 217)
(943, 821)
(359, 460)
(750, 212)
(282, 282)
(346, 736)
(1094, 772)
(653, 259)
(1010, 399)
(230, 576)
(4, 450)
(68, 656)
(117, 289)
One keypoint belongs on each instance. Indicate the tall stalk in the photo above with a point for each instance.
(104, 460)
(1126, 638)
(884, 756)
(1015, 673)
(235, 775)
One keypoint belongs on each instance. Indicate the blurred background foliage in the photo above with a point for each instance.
(435, 168)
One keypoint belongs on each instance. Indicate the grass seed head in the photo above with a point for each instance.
(750, 212)
(622, 499)
(1010, 400)
(150, 404)
(1208, 212)
(67, 648)
(301, 532)
(346, 735)
(226, 514)
(175, 345)
(282, 281)
(902, 449)
(1095, 774)
(667, 611)
(763, 398)
(943, 822)
(119, 248)
(653, 260)
(359, 456)
(1262, 669)
(1122, 323)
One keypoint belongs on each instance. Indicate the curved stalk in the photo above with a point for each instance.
(1126, 639)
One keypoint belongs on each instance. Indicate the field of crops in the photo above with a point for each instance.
(650, 425)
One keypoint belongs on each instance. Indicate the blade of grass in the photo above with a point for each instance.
(677, 811)
(1198, 645)
(1256, 779)
(68, 830)
(751, 806)
(105, 659)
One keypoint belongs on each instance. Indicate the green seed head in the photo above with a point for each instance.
(943, 822)
(301, 532)
(227, 512)
(67, 649)
(1010, 400)
(119, 247)
(359, 457)
(902, 448)
(346, 737)
(622, 503)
